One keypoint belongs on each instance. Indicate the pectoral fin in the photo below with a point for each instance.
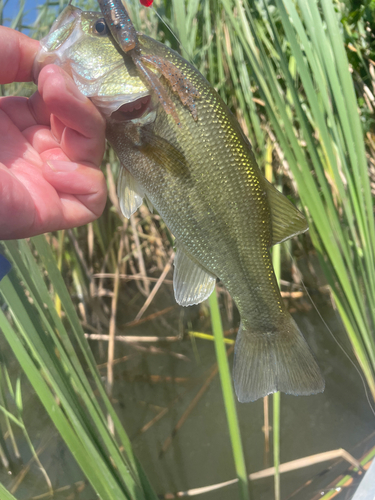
(191, 282)
(150, 206)
(287, 220)
(129, 192)
(164, 153)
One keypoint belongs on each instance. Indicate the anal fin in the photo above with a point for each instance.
(192, 283)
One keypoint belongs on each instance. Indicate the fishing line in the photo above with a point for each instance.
(337, 342)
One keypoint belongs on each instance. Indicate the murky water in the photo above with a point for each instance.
(199, 453)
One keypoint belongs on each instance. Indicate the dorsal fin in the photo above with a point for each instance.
(287, 220)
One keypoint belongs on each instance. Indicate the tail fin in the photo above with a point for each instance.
(274, 361)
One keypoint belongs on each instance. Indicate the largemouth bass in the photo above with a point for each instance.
(200, 174)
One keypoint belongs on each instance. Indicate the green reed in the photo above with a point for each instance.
(228, 396)
(46, 353)
(295, 55)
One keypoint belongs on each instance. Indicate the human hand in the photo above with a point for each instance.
(51, 147)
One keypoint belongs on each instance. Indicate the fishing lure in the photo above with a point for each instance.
(125, 35)
(119, 23)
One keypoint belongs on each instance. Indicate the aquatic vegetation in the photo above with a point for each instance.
(310, 100)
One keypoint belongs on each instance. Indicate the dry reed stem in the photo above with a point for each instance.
(90, 244)
(139, 255)
(8, 433)
(161, 249)
(161, 379)
(266, 430)
(80, 255)
(287, 467)
(131, 338)
(78, 486)
(20, 477)
(150, 317)
(189, 409)
(333, 484)
(229, 305)
(131, 277)
(162, 413)
(116, 361)
(90, 247)
(149, 299)
(292, 295)
(150, 238)
(4, 459)
(105, 260)
(158, 350)
(130, 324)
(112, 329)
(231, 331)
(154, 420)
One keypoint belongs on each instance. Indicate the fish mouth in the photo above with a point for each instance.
(132, 110)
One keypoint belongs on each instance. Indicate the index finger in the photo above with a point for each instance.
(17, 53)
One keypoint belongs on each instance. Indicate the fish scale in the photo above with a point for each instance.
(196, 167)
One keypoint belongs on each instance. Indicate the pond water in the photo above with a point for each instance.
(162, 379)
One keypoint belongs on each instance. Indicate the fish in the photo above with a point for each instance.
(195, 166)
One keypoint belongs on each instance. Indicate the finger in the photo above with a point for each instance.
(25, 112)
(16, 207)
(81, 184)
(83, 137)
(14, 148)
(16, 56)
(42, 140)
(62, 97)
(38, 201)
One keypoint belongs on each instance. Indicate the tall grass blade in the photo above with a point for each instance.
(228, 395)
(276, 261)
(5, 495)
(296, 54)
(276, 443)
(36, 338)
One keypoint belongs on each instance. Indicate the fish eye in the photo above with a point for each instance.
(100, 27)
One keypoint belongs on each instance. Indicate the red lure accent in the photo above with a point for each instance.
(146, 3)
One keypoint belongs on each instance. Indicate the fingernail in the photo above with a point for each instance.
(62, 166)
